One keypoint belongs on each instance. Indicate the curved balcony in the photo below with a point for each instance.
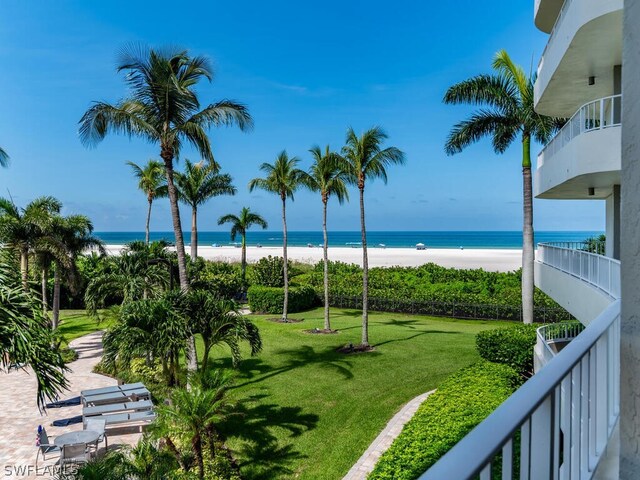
(551, 339)
(545, 13)
(585, 41)
(582, 161)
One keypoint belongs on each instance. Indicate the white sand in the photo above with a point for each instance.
(501, 260)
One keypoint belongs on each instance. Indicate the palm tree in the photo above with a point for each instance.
(75, 235)
(365, 159)
(506, 98)
(152, 182)
(282, 178)
(198, 184)
(21, 228)
(163, 108)
(218, 321)
(4, 158)
(327, 176)
(25, 336)
(239, 226)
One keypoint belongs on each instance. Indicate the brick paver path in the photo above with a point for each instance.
(19, 415)
(365, 464)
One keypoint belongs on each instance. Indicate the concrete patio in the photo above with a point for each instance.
(19, 415)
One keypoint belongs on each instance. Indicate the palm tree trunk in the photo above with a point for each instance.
(146, 236)
(167, 156)
(194, 233)
(527, 234)
(365, 276)
(327, 322)
(285, 305)
(243, 258)
(196, 444)
(24, 267)
(44, 284)
(56, 297)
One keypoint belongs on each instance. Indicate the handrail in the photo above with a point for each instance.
(557, 332)
(598, 270)
(577, 399)
(598, 114)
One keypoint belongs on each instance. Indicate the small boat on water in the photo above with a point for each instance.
(421, 246)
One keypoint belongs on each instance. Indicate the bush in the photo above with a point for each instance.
(221, 278)
(271, 299)
(461, 402)
(268, 272)
(511, 346)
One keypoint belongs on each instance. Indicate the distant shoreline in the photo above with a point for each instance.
(490, 259)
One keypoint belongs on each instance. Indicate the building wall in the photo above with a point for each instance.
(630, 247)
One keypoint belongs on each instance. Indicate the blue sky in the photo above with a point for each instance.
(307, 71)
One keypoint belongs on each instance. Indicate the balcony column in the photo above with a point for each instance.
(612, 247)
(630, 248)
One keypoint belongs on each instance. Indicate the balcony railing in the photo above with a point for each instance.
(556, 26)
(558, 424)
(596, 115)
(597, 270)
(553, 336)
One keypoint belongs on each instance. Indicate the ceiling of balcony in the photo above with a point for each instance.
(546, 14)
(594, 50)
(577, 188)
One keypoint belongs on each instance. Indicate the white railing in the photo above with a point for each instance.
(561, 418)
(597, 270)
(556, 26)
(554, 333)
(596, 115)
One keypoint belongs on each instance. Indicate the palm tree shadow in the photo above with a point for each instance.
(419, 334)
(261, 455)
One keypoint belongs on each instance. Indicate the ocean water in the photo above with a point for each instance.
(433, 239)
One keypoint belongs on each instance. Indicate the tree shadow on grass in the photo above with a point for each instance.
(411, 337)
(261, 455)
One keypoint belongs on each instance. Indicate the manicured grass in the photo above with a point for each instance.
(76, 323)
(309, 412)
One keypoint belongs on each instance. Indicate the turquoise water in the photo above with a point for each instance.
(433, 239)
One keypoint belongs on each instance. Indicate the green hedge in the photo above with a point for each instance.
(461, 402)
(271, 299)
(512, 346)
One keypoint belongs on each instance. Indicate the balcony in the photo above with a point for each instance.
(582, 161)
(560, 424)
(545, 13)
(551, 339)
(585, 41)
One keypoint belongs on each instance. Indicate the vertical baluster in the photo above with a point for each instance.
(525, 449)
(542, 438)
(555, 429)
(601, 113)
(576, 420)
(566, 421)
(592, 408)
(485, 474)
(584, 416)
(507, 460)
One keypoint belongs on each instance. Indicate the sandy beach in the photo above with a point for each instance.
(501, 260)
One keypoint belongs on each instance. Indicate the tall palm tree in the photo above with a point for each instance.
(4, 158)
(506, 101)
(75, 235)
(282, 178)
(152, 182)
(327, 175)
(21, 228)
(365, 159)
(163, 108)
(239, 226)
(198, 184)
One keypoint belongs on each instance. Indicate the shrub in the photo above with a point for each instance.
(461, 402)
(221, 278)
(268, 272)
(512, 346)
(271, 299)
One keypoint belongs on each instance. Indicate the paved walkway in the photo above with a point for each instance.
(19, 415)
(365, 464)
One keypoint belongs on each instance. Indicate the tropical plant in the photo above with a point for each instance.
(365, 159)
(282, 178)
(191, 418)
(4, 158)
(198, 184)
(163, 108)
(75, 235)
(25, 336)
(21, 228)
(326, 175)
(218, 321)
(239, 226)
(506, 101)
(152, 182)
(135, 274)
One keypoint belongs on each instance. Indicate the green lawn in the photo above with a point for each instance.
(308, 412)
(76, 323)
